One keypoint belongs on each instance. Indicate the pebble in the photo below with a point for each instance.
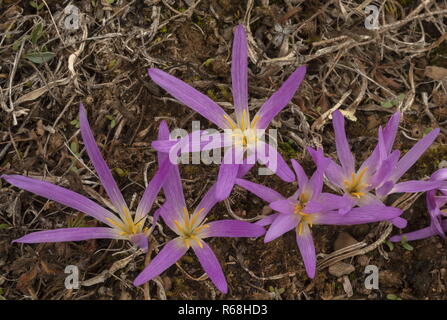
(167, 283)
(363, 260)
(389, 278)
(344, 240)
(266, 210)
(340, 269)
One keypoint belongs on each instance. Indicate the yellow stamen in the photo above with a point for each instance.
(186, 217)
(362, 173)
(195, 216)
(196, 239)
(300, 229)
(355, 185)
(129, 220)
(119, 225)
(358, 195)
(198, 229)
(244, 114)
(255, 120)
(179, 226)
(231, 122)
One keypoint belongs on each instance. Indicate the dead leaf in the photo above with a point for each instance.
(435, 73)
(33, 95)
(26, 278)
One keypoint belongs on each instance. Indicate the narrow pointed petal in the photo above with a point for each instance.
(385, 171)
(233, 229)
(189, 96)
(141, 241)
(385, 189)
(69, 234)
(163, 131)
(267, 220)
(211, 265)
(263, 192)
(64, 196)
(172, 185)
(239, 71)
(168, 213)
(173, 189)
(167, 256)
(316, 183)
(360, 215)
(244, 169)
(300, 174)
(248, 163)
(151, 191)
(282, 224)
(208, 201)
(226, 177)
(335, 174)
(390, 131)
(190, 143)
(107, 180)
(417, 186)
(414, 154)
(162, 135)
(343, 150)
(273, 160)
(441, 174)
(415, 235)
(372, 161)
(399, 222)
(327, 202)
(318, 158)
(306, 245)
(280, 98)
(284, 206)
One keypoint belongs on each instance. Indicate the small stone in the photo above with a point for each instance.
(125, 296)
(167, 283)
(266, 210)
(344, 240)
(340, 269)
(363, 260)
(347, 286)
(389, 278)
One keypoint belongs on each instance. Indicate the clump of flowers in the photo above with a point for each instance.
(245, 132)
(436, 200)
(192, 228)
(361, 194)
(122, 224)
(310, 206)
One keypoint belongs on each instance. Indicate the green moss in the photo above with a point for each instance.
(430, 160)
(210, 93)
(288, 150)
(405, 3)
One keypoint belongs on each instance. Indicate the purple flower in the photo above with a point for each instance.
(310, 206)
(192, 228)
(436, 199)
(377, 177)
(122, 225)
(245, 131)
